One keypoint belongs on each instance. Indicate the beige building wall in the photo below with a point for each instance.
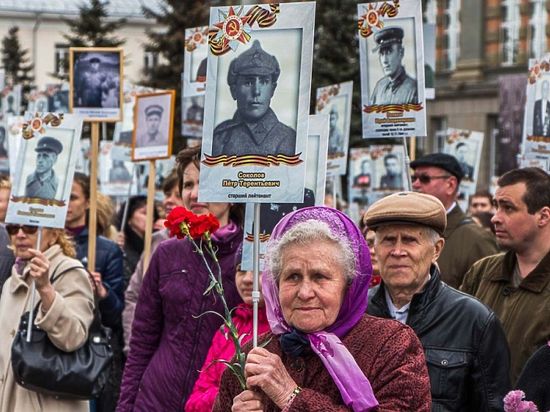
(40, 35)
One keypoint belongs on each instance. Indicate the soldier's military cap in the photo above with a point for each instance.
(95, 59)
(388, 36)
(49, 144)
(406, 208)
(154, 109)
(254, 61)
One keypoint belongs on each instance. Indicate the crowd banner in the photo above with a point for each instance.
(271, 213)
(392, 69)
(335, 100)
(257, 97)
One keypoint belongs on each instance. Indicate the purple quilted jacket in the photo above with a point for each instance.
(169, 344)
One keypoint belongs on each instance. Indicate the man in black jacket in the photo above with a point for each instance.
(466, 349)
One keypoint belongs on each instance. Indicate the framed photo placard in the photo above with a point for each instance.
(335, 100)
(536, 124)
(43, 176)
(96, 89)
(194, 81)
(392, 69)
(153, 125)
(257, 99)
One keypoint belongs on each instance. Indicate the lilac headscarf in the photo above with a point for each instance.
(354, 386)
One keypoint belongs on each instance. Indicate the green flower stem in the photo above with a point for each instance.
(216, 283)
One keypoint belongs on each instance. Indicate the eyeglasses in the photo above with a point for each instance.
(425, 179)
(14, 229)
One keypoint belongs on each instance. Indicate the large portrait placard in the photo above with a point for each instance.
(257, 96)
(536, 125)
(153, 125)
(466, 146)
(194, 81)
(335, 100)
(96, 88)
(392, 69)
(314, 194)
(43, 176)
(374, 172)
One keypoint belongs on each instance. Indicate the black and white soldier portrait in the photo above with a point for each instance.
(462, 154)
(152, 136)
(541, 111)
(396, 87)
(392, 179)
(96, 82)
(335, 135)
(255, 128)
(43, 182)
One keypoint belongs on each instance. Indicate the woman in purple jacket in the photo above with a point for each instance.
(169, 341)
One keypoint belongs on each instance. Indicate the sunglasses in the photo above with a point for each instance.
(425, 179)
(28, 230)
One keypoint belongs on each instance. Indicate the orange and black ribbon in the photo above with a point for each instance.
(252, 160)
(37, 201)
(386, 108)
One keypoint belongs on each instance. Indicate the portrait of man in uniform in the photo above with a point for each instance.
(462, 151)
(42, 182)
(392, 179)
(254, 129)
(541, 112)
(335, 136)
(152, 135)
(396, 87)
(90, 84)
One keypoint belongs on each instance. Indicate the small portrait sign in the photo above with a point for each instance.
(153, 125)
(43, 176)
(375, 172)
(392, 69)
(96, 75)
(314, 194)
(194, 81)
(335, 100)
(466, 146)
(257, 97)
(536, 124)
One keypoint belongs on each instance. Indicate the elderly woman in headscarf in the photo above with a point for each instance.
(323, 351)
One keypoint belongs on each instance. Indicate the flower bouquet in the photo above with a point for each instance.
(198, 230)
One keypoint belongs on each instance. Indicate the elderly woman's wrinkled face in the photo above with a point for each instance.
(312, 285)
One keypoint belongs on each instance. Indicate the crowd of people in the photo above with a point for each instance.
(419, 306)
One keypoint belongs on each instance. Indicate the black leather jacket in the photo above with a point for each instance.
(466, 349)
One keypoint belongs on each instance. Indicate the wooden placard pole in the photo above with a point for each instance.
(150, 206)
(92, 221)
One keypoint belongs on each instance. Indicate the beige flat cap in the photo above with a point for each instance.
(407, 207)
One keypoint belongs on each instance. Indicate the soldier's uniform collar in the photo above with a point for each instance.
(399, 79)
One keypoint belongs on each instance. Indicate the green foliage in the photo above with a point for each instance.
(174, 17)
(92, 29)
(15, 62)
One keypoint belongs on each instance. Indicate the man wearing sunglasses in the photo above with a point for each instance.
(439, 175)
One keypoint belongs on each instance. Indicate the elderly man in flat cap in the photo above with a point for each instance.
(397, 87)
(465, 347)
(439, 175)
(254, 129)
(42, 183)
(152, 136)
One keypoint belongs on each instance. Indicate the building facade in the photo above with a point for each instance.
(483, 48)
(41, 29)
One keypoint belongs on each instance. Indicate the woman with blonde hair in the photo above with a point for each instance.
(65, 309)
